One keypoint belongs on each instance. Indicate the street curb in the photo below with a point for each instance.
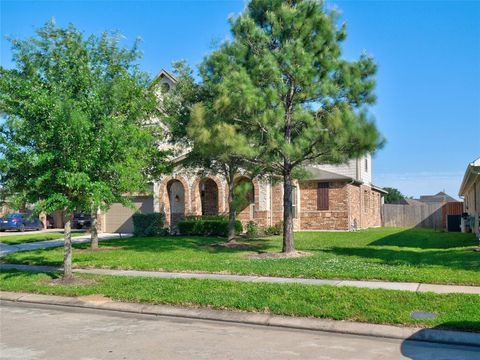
(343, 327)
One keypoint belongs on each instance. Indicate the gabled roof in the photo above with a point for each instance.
(471, 173)
(163, 73)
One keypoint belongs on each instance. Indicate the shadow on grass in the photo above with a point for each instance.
(426, 239)
(172, 243)
(415, 350)
(460, 259)
(14, 273)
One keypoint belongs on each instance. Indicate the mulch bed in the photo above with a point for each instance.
(237, 245)
(75, 281)
(275, 255)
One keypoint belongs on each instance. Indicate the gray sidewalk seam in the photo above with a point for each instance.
(370, 284)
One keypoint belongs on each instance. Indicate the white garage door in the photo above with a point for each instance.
(119, 218)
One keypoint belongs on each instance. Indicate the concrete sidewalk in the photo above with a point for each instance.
(6, 249)
(414, 287)
(262, 319)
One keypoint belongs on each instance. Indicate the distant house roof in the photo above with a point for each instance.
(407, 201)
(438, 197)
(471, 173)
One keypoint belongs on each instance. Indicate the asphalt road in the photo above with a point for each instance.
(30, 332)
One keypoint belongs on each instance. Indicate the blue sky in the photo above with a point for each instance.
(428, 52)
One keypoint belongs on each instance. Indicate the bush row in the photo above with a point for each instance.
(206, 226)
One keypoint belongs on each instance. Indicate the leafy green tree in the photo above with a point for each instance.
(283, 81)
(73, 137)
(214, 144)
(218, 146)
(393, 195)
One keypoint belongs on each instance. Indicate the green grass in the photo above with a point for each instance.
(418, 255)
(26, 238)
(458, 311)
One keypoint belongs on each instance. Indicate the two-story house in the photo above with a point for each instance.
(332, 197)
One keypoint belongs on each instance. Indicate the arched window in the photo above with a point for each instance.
(165, 87)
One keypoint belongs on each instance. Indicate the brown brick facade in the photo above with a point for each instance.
(335, 218)
(350, 205)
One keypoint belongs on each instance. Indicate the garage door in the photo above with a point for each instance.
(119, 218)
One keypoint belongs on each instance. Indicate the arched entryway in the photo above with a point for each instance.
(176, 200)
(209, 196)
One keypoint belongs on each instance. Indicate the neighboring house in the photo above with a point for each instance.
(340, 197)
(470, 190)
(439, 197)
(407, 201)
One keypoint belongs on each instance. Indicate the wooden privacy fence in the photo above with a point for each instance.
(427, 215)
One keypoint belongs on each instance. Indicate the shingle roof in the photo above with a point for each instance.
(438, 197)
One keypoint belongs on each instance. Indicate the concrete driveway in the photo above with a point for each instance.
(9, 249)
(33, 232)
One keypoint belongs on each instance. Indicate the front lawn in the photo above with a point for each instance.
(456, 311)
(26, 238)
(419, 255)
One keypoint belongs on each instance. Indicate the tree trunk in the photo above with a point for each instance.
(288, 244)
(93, 230)
(67, 249)
(231, 213)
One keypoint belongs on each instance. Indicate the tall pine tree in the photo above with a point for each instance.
(283, 81)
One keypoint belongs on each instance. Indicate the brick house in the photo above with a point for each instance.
(330, 198)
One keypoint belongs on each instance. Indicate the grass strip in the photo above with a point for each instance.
(391, 254)
(454, 311)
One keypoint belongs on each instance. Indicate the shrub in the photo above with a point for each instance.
(148, 224)
(252, 229)
(276, 229)
(202, 226)
(206, 217)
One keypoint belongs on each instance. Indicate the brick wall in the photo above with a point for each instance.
(277, 203)
(335, 218)
(369, 207)
(355, 206)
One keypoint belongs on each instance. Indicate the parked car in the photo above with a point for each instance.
(20, 222)
(81, 221)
